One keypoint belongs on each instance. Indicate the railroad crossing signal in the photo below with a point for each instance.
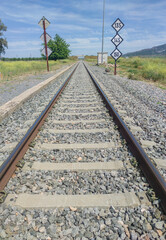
(118, 25)
(116, 40)
(48, 37)
(48, 51)
(47, 23)
(44, 23)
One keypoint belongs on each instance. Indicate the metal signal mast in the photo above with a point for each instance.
(102, 49)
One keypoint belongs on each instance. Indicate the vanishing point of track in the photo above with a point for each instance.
(151, 173)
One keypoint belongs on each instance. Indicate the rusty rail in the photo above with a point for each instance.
(151, 173)
(9, 165)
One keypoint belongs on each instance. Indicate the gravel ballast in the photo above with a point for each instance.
(143, 222)
(10, 126)
(82, 224)
(69, 182)
(12, 89)
(145, 103)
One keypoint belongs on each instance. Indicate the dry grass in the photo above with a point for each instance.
(152, 70)
(10, 70)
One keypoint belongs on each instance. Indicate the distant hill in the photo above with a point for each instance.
(158, 51)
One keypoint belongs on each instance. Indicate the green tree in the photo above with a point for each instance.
(3, 41)
(60, 49)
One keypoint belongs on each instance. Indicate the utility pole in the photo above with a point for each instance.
(45, 41)
(102, 49)
(44, 23)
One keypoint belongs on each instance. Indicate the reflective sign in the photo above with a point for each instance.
(116, 40)
(48, 51)
(47, 23)
(116, 54)
(48, 37)
(117, 25)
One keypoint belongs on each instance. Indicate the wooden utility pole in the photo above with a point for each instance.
(45, 42)
(45, 37)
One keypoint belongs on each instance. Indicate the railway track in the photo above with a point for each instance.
(78, 174)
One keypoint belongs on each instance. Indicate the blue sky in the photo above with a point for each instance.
(79, 22)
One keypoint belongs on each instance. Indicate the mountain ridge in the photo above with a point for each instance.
(156, 51)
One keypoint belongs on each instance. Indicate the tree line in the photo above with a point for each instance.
(59, 47)
(22, 59)
(75, 58)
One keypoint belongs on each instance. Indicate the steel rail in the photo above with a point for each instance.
(9, 165)
(151, 173)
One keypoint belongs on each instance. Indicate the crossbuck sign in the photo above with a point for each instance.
(45, 37)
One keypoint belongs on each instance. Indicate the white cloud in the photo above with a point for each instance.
(24, 30)
(31, 13)
(24, 44)
(80, 24)
(69, 27)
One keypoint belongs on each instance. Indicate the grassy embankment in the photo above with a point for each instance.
(13, 70)
(144, 69)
